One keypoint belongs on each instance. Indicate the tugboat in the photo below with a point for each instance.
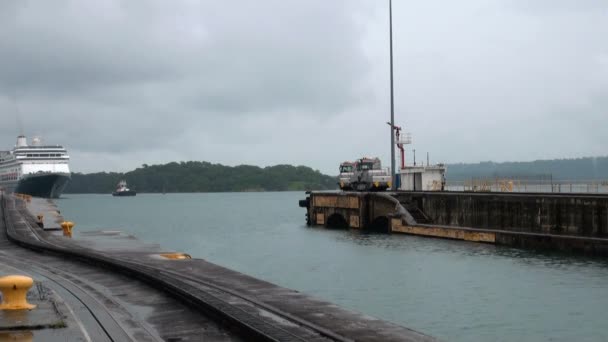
(122, 190)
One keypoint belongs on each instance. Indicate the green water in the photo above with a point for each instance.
(453, 290)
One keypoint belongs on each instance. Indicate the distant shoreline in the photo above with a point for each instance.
(205, 177)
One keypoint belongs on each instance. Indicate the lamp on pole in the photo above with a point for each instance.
(390, 20)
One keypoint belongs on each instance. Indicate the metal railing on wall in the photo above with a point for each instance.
(528, 184)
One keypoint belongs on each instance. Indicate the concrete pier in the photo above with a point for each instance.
(566, 222)
(132, 293)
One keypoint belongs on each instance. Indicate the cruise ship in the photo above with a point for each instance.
(37, 170)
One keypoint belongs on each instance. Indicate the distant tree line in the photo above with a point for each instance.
(195, 176)
(591, 168)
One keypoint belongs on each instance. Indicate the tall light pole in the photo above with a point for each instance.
(390, 21)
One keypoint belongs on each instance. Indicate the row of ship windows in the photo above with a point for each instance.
(43, 155)
(9, 176)
(35, 156)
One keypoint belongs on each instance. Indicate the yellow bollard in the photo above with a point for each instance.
(16, 336)
(176, 256)
(14, 289)
(67, 228)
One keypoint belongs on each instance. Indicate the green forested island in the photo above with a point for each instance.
(207, 177)
(204, 177)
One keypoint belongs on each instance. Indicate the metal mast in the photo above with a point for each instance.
(390, 16)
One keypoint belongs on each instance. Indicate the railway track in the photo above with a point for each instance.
(245, 315)
(94, 320)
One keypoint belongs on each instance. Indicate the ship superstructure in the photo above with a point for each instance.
(38, 170)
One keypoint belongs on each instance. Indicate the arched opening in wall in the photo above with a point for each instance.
(379, 225)
(336, 221)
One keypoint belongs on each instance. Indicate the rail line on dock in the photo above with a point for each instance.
(98, 318)
(202, 295)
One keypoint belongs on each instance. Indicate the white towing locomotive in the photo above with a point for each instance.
(366, 174)
(346, 173)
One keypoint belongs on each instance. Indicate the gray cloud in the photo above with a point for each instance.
(122, 83)
(236, 57)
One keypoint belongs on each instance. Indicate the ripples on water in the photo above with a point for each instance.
(454, 290)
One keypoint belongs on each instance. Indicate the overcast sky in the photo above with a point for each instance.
(306, 82)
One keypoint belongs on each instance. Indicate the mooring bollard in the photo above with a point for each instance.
(14, 290)
(17, 336)
(67, 228)
(176, 256)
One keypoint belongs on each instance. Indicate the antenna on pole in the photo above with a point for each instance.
(390, 20)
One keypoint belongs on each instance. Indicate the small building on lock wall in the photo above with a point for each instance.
(422, 178)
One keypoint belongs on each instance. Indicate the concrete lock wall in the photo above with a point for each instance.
(357, 210)
(347, 207)
(570, 223)
(555, 214)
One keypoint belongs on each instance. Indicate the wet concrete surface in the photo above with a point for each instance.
(98, 305)
(45, 315)
(52, 320)
(51, 216)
